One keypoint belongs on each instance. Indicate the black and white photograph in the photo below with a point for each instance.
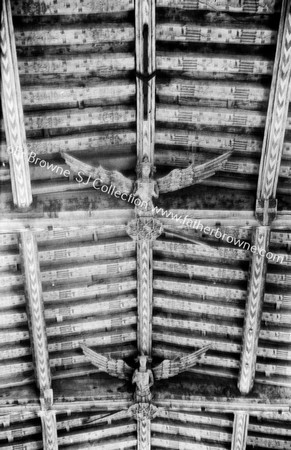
(145, 225)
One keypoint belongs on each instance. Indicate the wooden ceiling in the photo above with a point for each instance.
(118, 83)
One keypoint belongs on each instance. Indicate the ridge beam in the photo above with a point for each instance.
(37, 330)
(13, 113)
(277, 110)
(240, 431)
(254, 308)
(145, 42)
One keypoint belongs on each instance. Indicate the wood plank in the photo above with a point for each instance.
(234, 91)
(44, 96)
(248, 35)
(178, 286)
(79, 118)
(105, 65)
(254, 308)
(127, 284)
(191, 63)
(222, 404)
(36, 322)
(199, 271)
(194, 432)
(174, 444)
(13, 113)
(236, 6)
(88, 142)
(209, 116)
(93, 271)
(240, 431)
(65, 7)
(103, 432)
(73, 34)
(276, 122)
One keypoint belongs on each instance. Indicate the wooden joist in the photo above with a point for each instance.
(276, 121)
(105, 65)
(197, 433)
(103, 93)
(87, 142)
(254, 308)
(193, 287)
(240, 431)
(176, 32)
(74, 35)
(13, 112)
(191, 63)
(222, 404)
(127, 284)
(68, 7)
(79, 118)
(190, 139)
(36, 322)
(222, 117)
(185, 90)
(236, 6)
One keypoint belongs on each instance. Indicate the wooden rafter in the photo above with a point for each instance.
(13, 112)
(37, 329)
(254, 309)
(240, 431)
(277, 110)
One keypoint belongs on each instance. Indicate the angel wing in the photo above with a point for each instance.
(169, 368)
(181, 178)
(122, 183)
(114, 367)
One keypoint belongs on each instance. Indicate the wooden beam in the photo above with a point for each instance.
(240, 431)
(210, 116)
(191, 63)
(276, 121)
(37, 329)
(234, 91)
(145, 43)
(79, 35)
(177, 32)
(13, 112)
(80, 118)
(104, 66)
(102, 93)
(237, 6)
(254, 309)
(222, 404)
(65, 7)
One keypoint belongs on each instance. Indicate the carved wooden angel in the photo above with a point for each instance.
(166, 369)
(145, 187)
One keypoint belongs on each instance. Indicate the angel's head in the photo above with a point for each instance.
(143, 361)
(145, 169)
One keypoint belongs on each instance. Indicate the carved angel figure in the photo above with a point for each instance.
(145, 187)
(143, 377)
